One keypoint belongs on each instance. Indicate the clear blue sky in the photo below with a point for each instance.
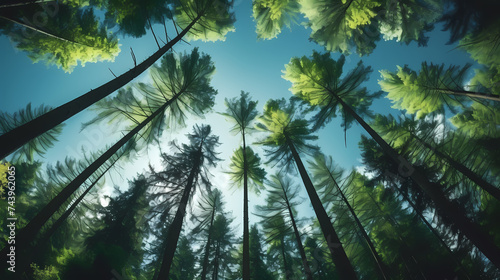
(242, 62)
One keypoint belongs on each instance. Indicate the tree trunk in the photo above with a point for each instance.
(339, 257)
(383, 270)
(207, 248)
(483, 184)
(446, 208)
(174, 230)
(14, 3)
(470, 94)
(28, 233)
(246, 240)
(307, 269)
(17, 137)
(215, 274)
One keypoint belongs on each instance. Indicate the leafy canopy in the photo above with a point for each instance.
(255, 173)
(279, 121)
(318, 81)
(427, 91)
(215, 21)
(272, 15)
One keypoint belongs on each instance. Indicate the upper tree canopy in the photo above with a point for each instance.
(319, 81)
(74, 35)
(425, 92)
(215, 22)
(279, 120)
(272, 15)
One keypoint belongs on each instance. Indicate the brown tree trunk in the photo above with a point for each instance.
(339, 257)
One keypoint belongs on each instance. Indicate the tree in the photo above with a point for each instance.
(287, 136)
(326, 175)
(478, 121)
(209, 206)
(258, 270)
(187, 74)
(73, 36)
(185, 170)
(222, 247)
(184, 261)
(282, 200)
(245, 164)
(36, 146)
(272, 16)
(431, 90)
(314, 81)
(15, 138)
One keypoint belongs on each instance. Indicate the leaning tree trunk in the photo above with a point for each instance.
(174, 230)
(207, 248)
(246, 240)
(307, 269)
(17, 137)
(29, 232)
(383, 269)
(483, 184)
(339, 257)
(470, 94)
(446, 208)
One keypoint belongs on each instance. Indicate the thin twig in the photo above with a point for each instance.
(112, 72)
(133, 56)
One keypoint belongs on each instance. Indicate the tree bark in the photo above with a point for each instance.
(339, 257)
(446, 208)
(174, 230)
(17, 137)
(470, 94)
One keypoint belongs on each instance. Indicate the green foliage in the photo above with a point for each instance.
(48, 273)
(478, 121)
(430, 90)
(258, 268)
(279, 121)
(134, 16)
(242, 112)
(184, 261)
(255, 173)
(342, 25)
(181, 83)
(272, 15)
(37, 146)
(215, 22)
(407, 20)
(318, 81)
(74, 36)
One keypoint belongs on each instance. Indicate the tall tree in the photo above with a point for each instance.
(282, 200)
(258, 270)
(245, 164)
(209, 206)
(186, 81)
(287, 135)
(326, 175)
(186, 170)
(212, 13)
(317, 82)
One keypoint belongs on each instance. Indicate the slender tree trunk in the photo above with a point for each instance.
(174, 230)
(483, 184)
(288, 273)
(246, 240)
(307, 269)
(470, 94)
(339, 257)
(215, 274)
(446, 208)
(17, 137)
(383, 269)
(13, 3)
(207, 248)
(28, 233)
